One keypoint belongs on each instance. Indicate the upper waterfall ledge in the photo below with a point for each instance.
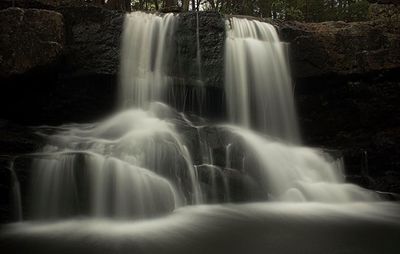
(316, 48)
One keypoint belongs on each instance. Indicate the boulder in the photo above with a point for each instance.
(341, 48)
(29, 39)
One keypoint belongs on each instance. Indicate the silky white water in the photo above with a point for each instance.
(294, 173)
(257, 80)
(145, 50)
(130, 165)
(279, 228)
(136, 182)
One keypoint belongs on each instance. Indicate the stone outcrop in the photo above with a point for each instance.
(339, 48)
(29, 39)
(92, 40)
(357, 115)
(318, 49)
(347, 83)
(91, 35)
(204, 80)
(211, 32)
(70, 81)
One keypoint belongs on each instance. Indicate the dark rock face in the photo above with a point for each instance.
(91, 59)
(339, 48)
(92, 40)
(15, 141)
(211, 32)
(358, 115)
(347, 84)
(199, 64)
(29, 39)
(80, 84)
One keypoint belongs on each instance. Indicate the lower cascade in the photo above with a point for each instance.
(150, 179)
(131, 165)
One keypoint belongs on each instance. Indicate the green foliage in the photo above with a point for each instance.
(283, 10)
(302, 10)
(357, 11)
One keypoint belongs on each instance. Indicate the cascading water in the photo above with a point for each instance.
(146, 44)
(131, 165)
(136, 165)
(257, 80)
(150, 161)
(294, 173)
(258, 90)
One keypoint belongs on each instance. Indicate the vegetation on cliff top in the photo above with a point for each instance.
(302, 10)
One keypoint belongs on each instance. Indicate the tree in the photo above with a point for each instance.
(185, 5)
(303, 10)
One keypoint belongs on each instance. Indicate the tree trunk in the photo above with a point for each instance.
(128, 5)
(193, 5)
(185, 5)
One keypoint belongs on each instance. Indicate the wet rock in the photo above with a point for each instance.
(16, 143)
(30, 39)
(359, 117)
(211, 32)
(221, 185)
(80, 85)
(16, 139)
(92, 40)
(390, 182)
(341, 48)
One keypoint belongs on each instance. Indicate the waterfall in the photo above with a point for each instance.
(146, 45)
(16, 192)
(131, 165)
(294, 173)
(257, 80)
(95, 186)
(141, 162)
(259, 94)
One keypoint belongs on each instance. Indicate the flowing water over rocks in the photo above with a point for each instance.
(257, 81)
(97, 187)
